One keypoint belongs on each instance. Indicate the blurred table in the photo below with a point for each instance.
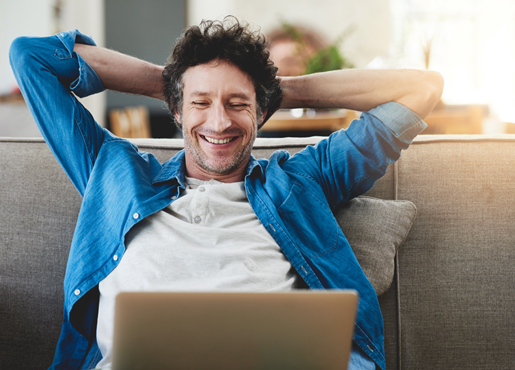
(466, 119)
(297, 121)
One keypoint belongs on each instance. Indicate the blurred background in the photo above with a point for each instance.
(471, 42)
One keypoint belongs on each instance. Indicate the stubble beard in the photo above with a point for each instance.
(201, 159)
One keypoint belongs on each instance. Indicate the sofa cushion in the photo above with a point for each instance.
(375, 229)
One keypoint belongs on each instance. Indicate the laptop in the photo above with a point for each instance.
(301, 330)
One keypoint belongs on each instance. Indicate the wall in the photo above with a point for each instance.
(28, 17)
(36, 18)
(331, 17)
(146, 30)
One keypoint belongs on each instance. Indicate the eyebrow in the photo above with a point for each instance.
(233, 95)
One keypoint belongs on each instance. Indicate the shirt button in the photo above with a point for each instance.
(135, 216)
(197, 219)
(202, 189)
(115, 257)
(174, 197)
(370, 348)
(77, 292)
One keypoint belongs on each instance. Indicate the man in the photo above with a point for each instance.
(212, 217)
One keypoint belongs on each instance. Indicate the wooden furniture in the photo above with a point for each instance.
(310, 121)
(463, 120)
(509, 128)
(10, 98)
(445, 120)
(130, 122)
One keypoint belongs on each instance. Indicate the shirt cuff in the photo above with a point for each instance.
(88, 82)
(403, 122)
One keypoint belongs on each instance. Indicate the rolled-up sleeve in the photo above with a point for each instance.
(403, 122)
(88, 82)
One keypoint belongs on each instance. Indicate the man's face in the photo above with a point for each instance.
(219, 121)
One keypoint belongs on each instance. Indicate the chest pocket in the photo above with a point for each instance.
(310, 221)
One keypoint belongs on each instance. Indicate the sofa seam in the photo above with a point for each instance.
(435, 139)
(398, 302)
(397, 283)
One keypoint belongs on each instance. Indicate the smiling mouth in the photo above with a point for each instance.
(218, 141)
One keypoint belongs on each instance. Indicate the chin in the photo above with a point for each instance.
(220, 169)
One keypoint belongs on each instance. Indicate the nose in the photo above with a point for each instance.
(219, 120)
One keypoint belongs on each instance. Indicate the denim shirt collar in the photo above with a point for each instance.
(254, 164)
(175, 169)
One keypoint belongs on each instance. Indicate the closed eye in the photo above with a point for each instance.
(239, 105)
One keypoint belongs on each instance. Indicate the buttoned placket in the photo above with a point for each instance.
(200, 204)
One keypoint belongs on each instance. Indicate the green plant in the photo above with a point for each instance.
(326, 59)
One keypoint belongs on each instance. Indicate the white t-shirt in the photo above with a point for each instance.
(207, 240)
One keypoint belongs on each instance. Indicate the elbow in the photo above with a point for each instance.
(21, 53)
(429, 93)
(436, 84)
(433, 89)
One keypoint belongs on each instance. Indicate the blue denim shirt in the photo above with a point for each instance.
(293, 196)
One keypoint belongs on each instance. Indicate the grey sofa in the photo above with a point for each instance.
(452, 303)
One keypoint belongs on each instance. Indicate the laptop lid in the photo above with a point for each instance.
(189, 331)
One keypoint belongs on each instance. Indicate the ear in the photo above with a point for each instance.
(263, 116)
(177, 116)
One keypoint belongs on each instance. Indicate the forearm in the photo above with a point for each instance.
(362, 90)
(123, 73)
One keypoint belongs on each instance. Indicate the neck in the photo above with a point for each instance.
(197, 172)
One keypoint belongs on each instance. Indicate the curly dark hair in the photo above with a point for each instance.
(227, 40)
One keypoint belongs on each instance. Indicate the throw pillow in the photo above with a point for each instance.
(375, 229)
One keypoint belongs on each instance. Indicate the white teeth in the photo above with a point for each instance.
(216, 141)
